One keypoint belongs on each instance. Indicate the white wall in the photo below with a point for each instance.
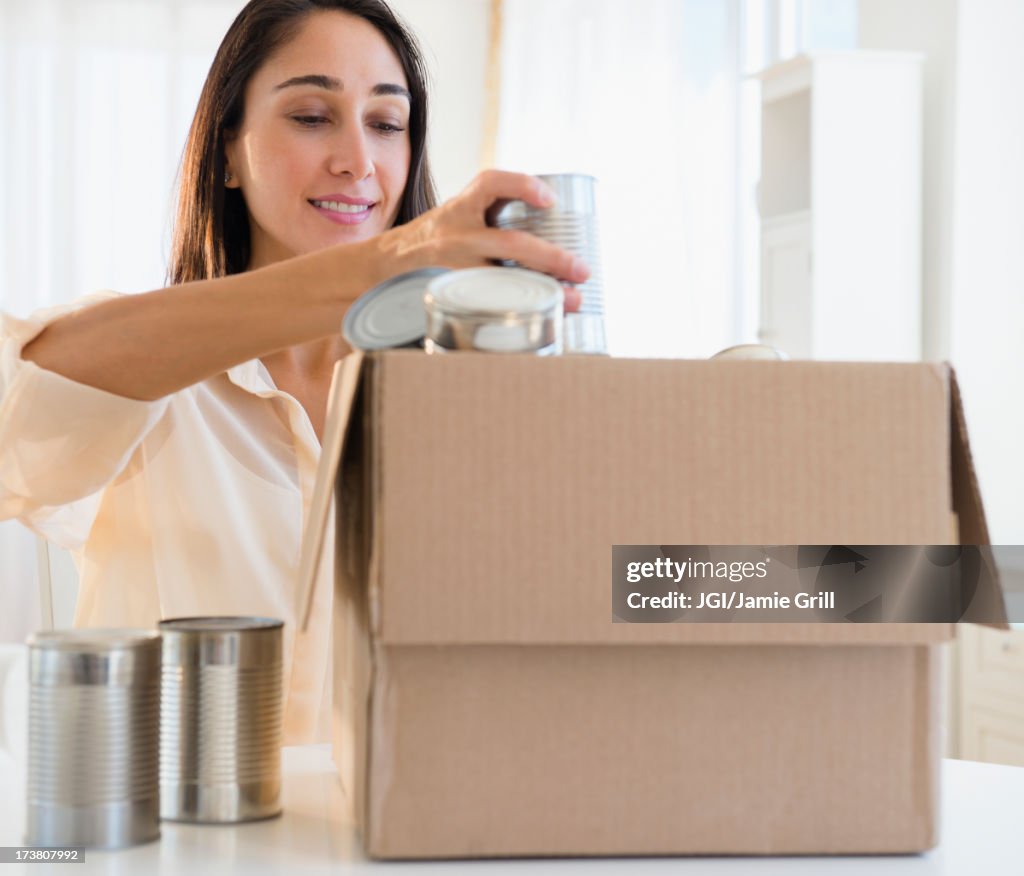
(974, 221)
(987, 315)
(19, 593)
(454, 35)
(927, 26)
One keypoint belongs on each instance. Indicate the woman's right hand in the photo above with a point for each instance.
(456, 234)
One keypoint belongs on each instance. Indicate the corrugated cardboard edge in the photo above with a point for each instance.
(346, 429)
(354, 648)
(988, 602)
(927, 730)
(342, 402)
(344, 384)
(374, 380)
(377, 765)
(966, 492)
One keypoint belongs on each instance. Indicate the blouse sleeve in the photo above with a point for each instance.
(61, 442)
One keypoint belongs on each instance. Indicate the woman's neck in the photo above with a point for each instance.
(312, 361)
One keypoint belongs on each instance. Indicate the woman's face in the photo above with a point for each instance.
(322, 154)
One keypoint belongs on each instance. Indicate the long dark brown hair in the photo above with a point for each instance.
(211, 227)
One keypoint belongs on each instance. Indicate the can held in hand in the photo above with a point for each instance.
(572, 225)
(221, 719)
(94, 738)
(494, 310)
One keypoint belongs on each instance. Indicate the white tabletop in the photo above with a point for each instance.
(982, 832)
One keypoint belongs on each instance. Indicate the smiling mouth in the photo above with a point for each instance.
(339, 207)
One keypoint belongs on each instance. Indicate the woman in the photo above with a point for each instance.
(170, 439)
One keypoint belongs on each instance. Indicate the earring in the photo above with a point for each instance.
(227, 177)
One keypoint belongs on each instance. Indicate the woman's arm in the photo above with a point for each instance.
(150, 345)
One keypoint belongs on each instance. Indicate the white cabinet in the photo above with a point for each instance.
(991, 695)
(840, 203)
(786, 267)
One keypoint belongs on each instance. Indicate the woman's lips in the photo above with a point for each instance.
(340, 217)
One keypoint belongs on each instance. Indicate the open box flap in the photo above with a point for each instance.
(988, 602)
(341, 399)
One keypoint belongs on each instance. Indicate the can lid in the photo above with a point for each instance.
(750, 351)
(224, 624)
(390, 314)
(496, 292)
(92, 640)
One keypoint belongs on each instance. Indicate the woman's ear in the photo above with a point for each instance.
(230, 151)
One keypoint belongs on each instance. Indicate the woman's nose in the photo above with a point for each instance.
(351, 153)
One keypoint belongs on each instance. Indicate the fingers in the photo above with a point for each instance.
(531, 252)
(456, 234)
(491, 189)
(573, 298)
(494, 189)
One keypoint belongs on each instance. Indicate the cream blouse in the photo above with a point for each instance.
(190, 505)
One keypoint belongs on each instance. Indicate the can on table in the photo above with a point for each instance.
(572, 225)
(94, 738)
(496, 310)
(221, 719)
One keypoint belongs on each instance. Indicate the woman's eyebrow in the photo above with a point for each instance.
(390, 88)
(330, 83)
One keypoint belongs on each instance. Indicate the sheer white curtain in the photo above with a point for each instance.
(643, 96)
(652, 98)
(95, 101)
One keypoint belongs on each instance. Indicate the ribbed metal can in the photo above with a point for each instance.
(572, 225)
(94, 738)
(221, 719)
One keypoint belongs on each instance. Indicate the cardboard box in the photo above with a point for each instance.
(484, 702)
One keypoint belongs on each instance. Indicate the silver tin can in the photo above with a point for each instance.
(751, 351)
(94, 738)
(495, 310)
(391, 314)
(221, 720)
(572, 225)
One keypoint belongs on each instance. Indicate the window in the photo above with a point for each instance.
(652, 97)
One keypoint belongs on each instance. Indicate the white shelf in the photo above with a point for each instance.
(840, 202)
(794, 75)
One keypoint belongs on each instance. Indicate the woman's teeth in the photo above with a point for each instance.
(339, 207)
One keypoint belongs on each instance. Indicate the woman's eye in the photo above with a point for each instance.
(388, 129)
(310, 121)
